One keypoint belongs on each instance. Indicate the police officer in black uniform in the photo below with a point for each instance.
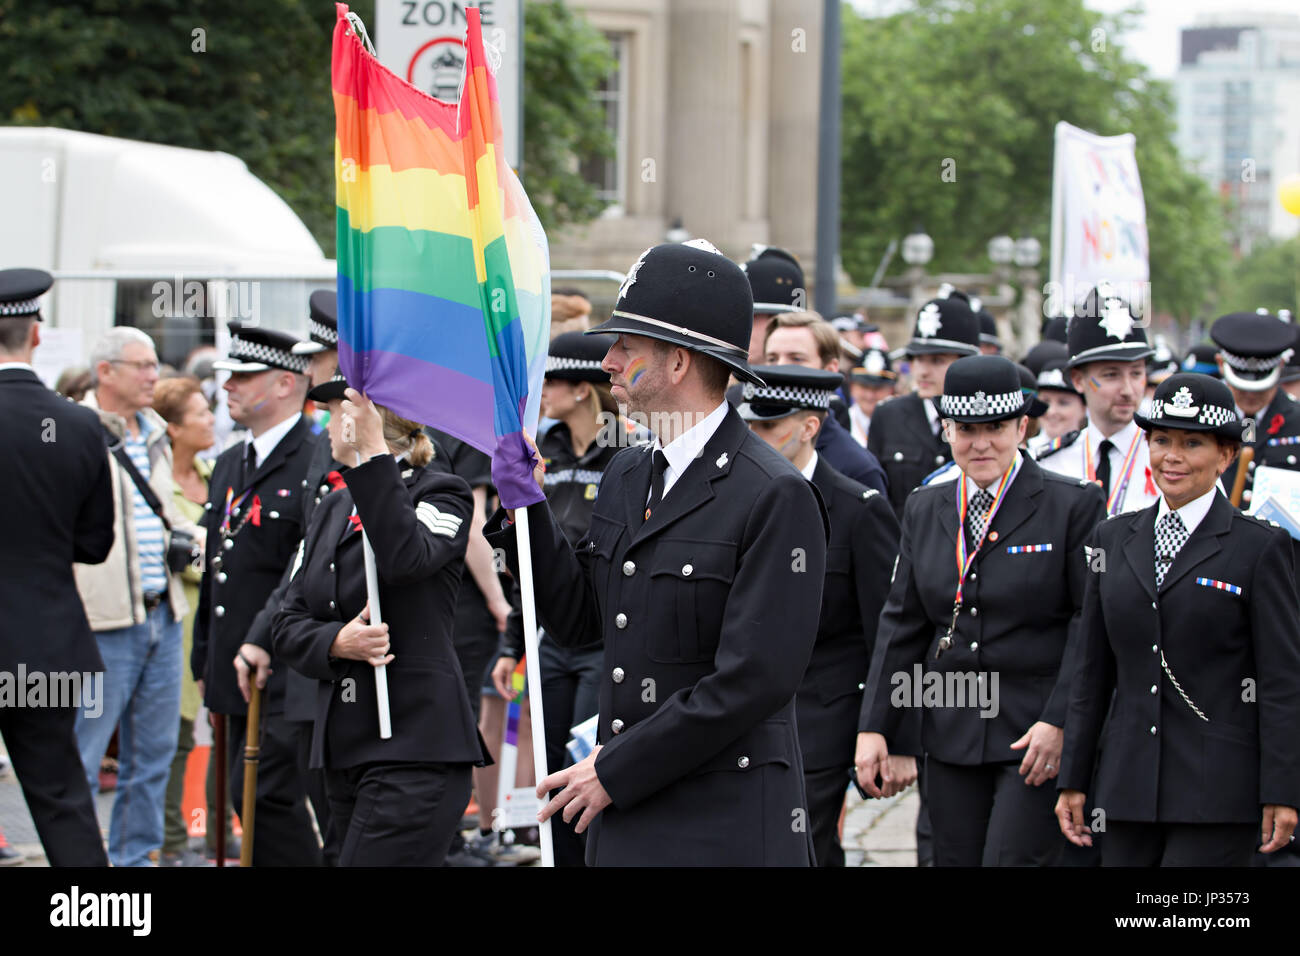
(777, 284)
(321, 350)
(703, 574)
(787, 413)
(254, 525)
(905, 433)
(1189, 656)
(1252, 351)
(986, 659)
(57, 486)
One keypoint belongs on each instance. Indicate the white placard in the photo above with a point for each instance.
(60, 349)
(1274, 489)
(423, 42)
(1099, 219)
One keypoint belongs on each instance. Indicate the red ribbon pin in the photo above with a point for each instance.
(255, 512)
(1275, 424)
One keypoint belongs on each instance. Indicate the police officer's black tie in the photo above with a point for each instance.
(1171, 535)
(1103, 466)
(977, 515)
(658, 465)
(250, 464)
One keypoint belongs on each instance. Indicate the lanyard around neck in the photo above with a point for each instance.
(1126, 470)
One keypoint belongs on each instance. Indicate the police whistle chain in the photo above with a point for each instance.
(372, 595)
(1243, 469)
(965, 557)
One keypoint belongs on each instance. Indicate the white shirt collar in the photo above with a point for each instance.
(972, 486)
(809, 468)
(265, 443)
(931, 413)
(5, 366)
(1121, 439)
(1192, 513)
(687, 446)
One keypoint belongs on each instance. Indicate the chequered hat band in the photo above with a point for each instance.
(246, 351)
(1249, 363)
(559, 363)
(22, 307)
(999, 403)
(323, 333)
(788, 395)
(1212, 415)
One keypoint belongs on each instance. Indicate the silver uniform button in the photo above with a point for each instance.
(898, 456)
(228, 543)
(331, 567)
(1153, 605)
(1290, 459)
(616, 725)
(331, 605)
(618, 675)
(219, 611)
(974, 612)
(938, 459)
(1155, 649)
(1251, 466)
(629, 568)
(221, 577)
(687, 570)
(862, 687)
(620, 621)
(743, 763)
(1153, 730)
(974, 645)
(1153, 688)
(275, 514)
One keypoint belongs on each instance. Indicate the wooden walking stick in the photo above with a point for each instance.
(252, 752)
(1243, 468)
(219, 811)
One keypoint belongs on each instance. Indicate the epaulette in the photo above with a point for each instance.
(869, 493)
(1268, 521)
(937, 472)
(1056, 444)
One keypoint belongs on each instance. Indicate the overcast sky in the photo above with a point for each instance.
(1155, 40)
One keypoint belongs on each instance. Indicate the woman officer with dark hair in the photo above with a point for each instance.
(1190, 621)
(395, 801)
(976, 632)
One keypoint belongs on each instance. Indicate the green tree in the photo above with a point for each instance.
(974, 88)
(1267, 278)
(255, 82)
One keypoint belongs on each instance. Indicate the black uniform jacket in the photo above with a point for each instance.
(1236, 654)
(836, 445)
(708, 613)
(418, 523)
(231, 598)
(908, 449)
(864, 542)
(58, 498)
(1019, 619)
(1276, 444)
(299, 691)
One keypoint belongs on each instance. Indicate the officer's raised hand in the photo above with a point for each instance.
(359, 640)
(539, 469)
(251, 658)
(366, 434)
(583, 793)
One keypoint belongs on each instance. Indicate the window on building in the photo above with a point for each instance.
(609, 173)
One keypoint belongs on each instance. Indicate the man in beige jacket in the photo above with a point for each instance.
(134, 603)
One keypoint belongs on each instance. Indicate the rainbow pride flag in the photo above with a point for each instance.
(444, 272)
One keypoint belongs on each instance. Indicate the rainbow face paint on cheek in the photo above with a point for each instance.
(1095, 384)
(635, 369)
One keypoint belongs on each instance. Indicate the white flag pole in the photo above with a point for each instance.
(376, 617)
(534, 669)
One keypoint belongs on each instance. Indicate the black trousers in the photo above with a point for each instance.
(826, 790)
(282, 830)
(985, 815)
(397, 814)
(314, 782)
(570, 694)
(42, 745)
(1179, 844)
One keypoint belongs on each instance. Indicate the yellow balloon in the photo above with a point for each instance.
(1289, 193)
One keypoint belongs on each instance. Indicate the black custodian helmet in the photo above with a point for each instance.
(691, 295)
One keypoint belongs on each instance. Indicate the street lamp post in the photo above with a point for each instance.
(1028, 253)
(918, 249)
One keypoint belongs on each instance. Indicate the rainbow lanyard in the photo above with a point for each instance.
(1126, 470)
(965, 554)
(230, 506)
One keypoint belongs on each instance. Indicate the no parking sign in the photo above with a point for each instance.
(423, 41)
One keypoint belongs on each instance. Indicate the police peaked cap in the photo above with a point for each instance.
(982, 388)
(1254, 347)
(1044, 352)
(1189, 401)
(873, 369)
(1054, 329)
(1105, 329)
(1201, 359)
(691, 295)
(774, 275)
(787, 389)
(323, 324)
(254, 348)
(576, 357)
(20, 292)
(1055, 375)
